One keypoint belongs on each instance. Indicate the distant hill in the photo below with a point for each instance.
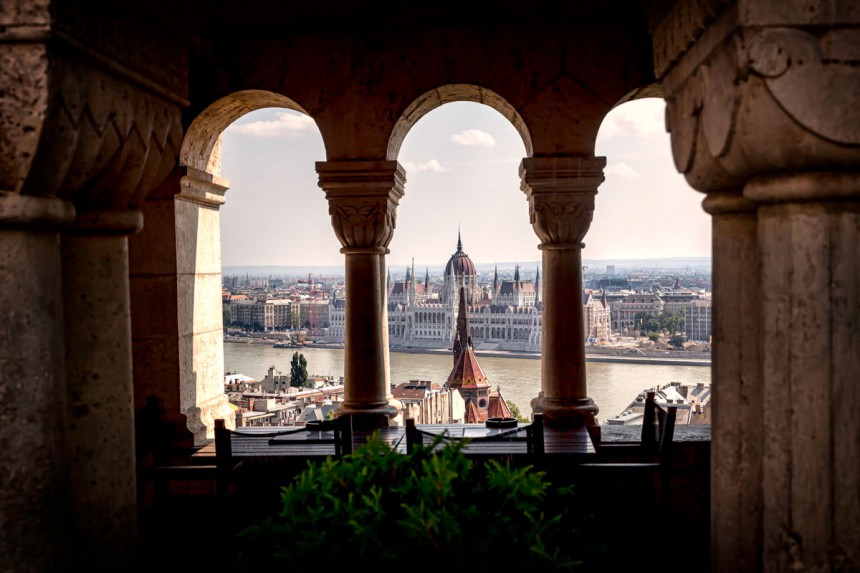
(397, 270)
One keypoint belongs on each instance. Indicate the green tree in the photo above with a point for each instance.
(515, 411)
(640, 319)
(227, 317)
(654, 336)
(652, 325)
(298, 371)
(671, 321)
(294, 318)
(677, 341)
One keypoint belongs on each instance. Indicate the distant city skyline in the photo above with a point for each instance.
(595, 267)
(461, 161)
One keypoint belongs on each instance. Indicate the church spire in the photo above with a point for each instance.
(537, 278)
(426, 281)
(463, 339)
(496, 281)
(412, 290)
(459, 242)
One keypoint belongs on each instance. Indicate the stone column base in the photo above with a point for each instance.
(369, 416)
(566, 412)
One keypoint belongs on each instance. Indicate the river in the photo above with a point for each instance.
(612, 386)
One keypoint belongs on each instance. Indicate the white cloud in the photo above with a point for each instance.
(474, 137)
(285, 124)
(635, 119)
(433, 166)
(622, 171)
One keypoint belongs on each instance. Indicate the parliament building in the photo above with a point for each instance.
(504, 315)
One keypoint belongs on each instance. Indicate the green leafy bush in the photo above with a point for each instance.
(432, 510)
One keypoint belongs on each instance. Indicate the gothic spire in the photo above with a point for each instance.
(459, 242)
(463, 339)
(496, 280)
(537, 278)
(426, 280)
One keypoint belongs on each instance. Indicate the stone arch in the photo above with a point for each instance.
(428, 101)
(201, 146)
(197, 224)
(652, 90)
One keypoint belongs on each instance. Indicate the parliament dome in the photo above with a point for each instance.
(460, 262)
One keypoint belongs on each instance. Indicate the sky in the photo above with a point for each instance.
(462, 162)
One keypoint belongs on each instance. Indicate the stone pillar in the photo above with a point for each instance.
(809, 241)
(736, 437)
(99, 389)
(33, 456)
(199, 311)
(561, 192)
(177, 316)
(162, 427)
(764, 100)
(363, 198)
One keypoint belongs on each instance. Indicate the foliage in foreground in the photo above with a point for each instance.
(429, 510)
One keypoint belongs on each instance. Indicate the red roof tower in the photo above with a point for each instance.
(467, 376)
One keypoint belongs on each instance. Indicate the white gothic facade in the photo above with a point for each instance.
(504, 315)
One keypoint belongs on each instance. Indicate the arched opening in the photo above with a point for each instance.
(253, 133)
(646, 264)
(450, 93)
(462, 161)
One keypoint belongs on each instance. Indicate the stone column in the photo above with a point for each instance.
(162, 428)
(809, 241)
(176, 312)
(363, 197)
(765, 101)
(33, 456)
(99, 389)
(736, 437)
(199, 312)
(561, 192)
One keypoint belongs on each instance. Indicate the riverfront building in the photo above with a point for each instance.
(504, 315)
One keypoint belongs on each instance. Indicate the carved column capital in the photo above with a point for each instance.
(82, 125)
(560, 192)
(755, 96)
(363, 198)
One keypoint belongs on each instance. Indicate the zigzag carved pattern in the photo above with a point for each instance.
(105, 143)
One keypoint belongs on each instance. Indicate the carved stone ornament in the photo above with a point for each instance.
(93, 134)
(761, 100)
(561, 219)
(363, 224)
(816, 80)
(560, 193)
(363, 198)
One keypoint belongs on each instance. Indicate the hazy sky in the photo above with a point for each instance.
(462, 164)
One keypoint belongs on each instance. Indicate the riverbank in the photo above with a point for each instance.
(618, 355)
